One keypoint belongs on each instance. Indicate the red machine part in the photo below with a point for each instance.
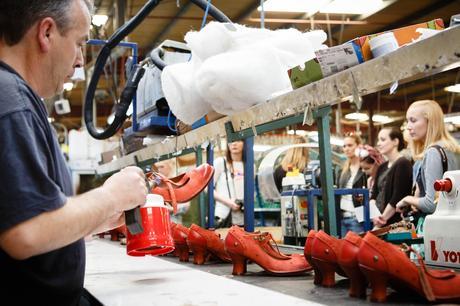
(443, 185)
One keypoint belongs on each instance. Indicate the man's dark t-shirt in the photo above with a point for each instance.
(34, 179)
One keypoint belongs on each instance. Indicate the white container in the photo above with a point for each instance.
(383, 44)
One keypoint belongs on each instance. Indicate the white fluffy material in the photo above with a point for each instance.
(234, 67)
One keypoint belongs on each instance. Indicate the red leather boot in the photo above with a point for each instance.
(179, 234)
(183, 187)
(307, 253)
(201, 241)
(241, 246)
(384, 263)
(325, 251)
(348, 261)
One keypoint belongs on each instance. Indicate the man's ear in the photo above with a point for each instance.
(46, 32)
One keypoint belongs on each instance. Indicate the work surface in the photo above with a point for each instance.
(114, 278)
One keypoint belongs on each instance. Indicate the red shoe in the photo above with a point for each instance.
(201, 241)
(241, 246)
(179, 234)
(184, 187)
(348, 261)
(307, 253)
(383, 262)
(324, 252)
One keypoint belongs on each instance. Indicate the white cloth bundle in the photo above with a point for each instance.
(234, 67)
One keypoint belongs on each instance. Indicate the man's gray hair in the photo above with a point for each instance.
(18, 16)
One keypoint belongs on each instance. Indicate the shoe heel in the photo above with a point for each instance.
(358, 282)
(199, 255)
(239, 264)
(318, 276)
(182, 252)
(378, 281)
(327, 273)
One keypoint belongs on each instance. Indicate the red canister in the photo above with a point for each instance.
(156, 238)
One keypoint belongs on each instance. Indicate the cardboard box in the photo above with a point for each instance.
(327, 62)
(403, 36)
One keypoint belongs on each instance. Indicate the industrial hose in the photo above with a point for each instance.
(136, 73)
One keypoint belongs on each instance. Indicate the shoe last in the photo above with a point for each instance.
(348, 261)
(202, 241)
(179, 234)
(257, 247)
(324, 252)
(384, 263)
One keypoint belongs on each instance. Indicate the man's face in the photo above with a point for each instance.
(67, 51)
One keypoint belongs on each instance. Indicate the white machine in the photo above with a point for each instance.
(441, 229)
(294, 211)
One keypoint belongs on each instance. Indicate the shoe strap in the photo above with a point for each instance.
(424, 272)
(265, 240)
(156, 179)
(173, 196)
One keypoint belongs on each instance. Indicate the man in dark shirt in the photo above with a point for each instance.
(42, 254)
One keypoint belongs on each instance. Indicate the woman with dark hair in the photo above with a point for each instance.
(369, 160)
(394, 177)
(229, 186)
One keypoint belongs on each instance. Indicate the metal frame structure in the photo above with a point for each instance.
(433, 55)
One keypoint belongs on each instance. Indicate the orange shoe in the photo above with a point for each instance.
(241, 246)
(179, 234)
(325, 250)
(201, 241)
(307, 253)
(383, 262)
(348, 261)
(183, 187)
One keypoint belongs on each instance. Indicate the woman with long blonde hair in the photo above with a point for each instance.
(430, 142)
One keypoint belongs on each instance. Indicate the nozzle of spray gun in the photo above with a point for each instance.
(443, 185)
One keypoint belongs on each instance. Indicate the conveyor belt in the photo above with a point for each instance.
(114, 278)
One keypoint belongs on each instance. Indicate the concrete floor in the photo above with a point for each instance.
(114, 278)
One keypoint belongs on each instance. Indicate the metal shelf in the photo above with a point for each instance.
(427, 57)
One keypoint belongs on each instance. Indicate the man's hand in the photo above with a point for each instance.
(127, 188)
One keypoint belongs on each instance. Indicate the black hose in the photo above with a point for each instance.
(136, 73)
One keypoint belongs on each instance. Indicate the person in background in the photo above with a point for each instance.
(295, 158)
(369, 161)
(351, 177)
(394, 177)
(42, 224)
(229, 186)
(429, 141)
(167, 168)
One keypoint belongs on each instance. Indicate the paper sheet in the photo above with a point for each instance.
(373, 211)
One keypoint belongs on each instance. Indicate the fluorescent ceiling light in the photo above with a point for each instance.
(353, 7)
(50, 119)
(68, 86)
(453, 88)
(99, 20)
(364, 117)
(350, 7)
(357, 116)
(294, 6)
(261, 148)
(297, 132)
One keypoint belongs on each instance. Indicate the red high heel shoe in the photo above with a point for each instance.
(307, 253)
(348, 261)
(241, 246)
(201, 241)
(324, 253)
(383, 262)
(179, 234)
(183, 187)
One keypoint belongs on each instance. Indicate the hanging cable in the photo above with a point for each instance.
(262, 14)
(205, 16)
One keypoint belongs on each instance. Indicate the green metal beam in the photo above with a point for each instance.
(325, 157)
(260, 129)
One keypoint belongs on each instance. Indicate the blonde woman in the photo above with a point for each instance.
(295, 158)
(351, 177)
(429, 138)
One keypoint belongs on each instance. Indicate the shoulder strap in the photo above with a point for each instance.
(226, 178)
(443, 157)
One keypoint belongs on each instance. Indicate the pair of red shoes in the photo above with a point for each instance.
(200, 241)
(243, 246)
(379, 262)
(183, 187)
